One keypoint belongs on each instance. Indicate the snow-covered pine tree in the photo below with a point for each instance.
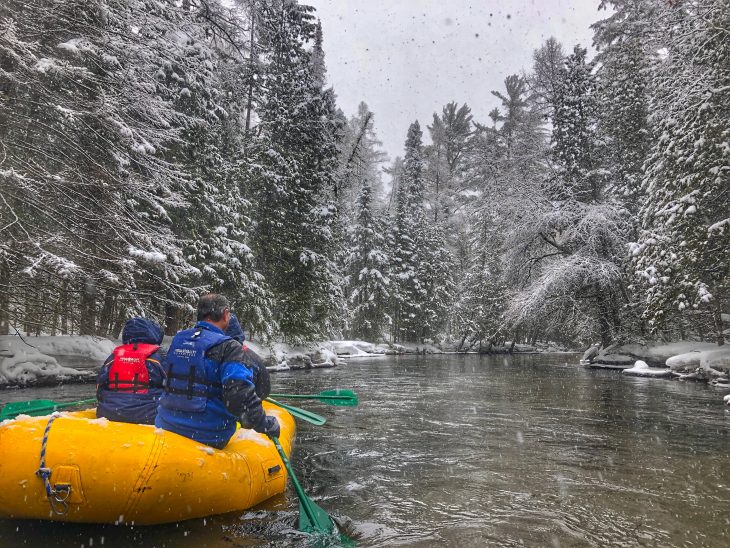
(435, 273)
(547, 66)
(96, 191)
(211, 91)
(450, 136)
(478, 308)
(623, 41)
(408, 294)
(361, 161)
(289, 170)
(683, 253)
(574, 126)
(368, 271)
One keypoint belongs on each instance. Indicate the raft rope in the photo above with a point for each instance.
(57, 497)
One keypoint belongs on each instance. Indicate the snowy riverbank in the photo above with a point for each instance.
(683, 360)
(50, 360)
(45, 360)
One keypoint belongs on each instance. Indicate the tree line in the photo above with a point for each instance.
(151, 150)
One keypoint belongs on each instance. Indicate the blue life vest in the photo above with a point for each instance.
(192, 379)
(192, 404)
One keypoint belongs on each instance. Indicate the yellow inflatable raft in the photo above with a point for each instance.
(98, 471)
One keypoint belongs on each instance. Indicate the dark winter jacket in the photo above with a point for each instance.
(131, 399)
(253, 361)
(209, 387)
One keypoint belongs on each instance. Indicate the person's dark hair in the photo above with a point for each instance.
(212, 306)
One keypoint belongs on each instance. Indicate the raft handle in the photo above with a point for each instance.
(274, 469)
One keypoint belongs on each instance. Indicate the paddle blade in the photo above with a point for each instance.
(33, 408)
(313, 519)
(36, 408)
(340, 397)
(344, 398)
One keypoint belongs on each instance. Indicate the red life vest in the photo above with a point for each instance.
(128, 372)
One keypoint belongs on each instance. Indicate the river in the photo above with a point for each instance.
(472, 451)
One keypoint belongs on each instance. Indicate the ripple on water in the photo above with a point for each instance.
(474, 451)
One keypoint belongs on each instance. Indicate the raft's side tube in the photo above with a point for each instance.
(128, 473)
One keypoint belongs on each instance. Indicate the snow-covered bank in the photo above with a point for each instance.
(284, 357)
(684, 360)
(35, 360)
(655, 355)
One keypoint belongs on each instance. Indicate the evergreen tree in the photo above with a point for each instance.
(574, 128)
(623, 40)
(682, 254)
(90, 210)
(548, 61)
(408, 292)
(450, 134)
(368, 267)
(290, 172)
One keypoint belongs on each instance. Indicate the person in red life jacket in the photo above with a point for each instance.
(129, 385)
(209, 388)
(253, 361)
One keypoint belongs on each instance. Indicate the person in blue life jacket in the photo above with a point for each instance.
(129, 384)
(261, 378)
(208, 387)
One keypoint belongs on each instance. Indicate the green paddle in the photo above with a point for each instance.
(36, 408)
(312, 518)
(340, 397)
(317, 420)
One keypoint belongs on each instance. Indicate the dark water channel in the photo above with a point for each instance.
(475, 451)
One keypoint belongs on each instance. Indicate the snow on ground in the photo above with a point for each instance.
(283, 357)
(717, 359)
(641, 369)
(655, 355)
(22, 364)
(685, 360)
(357, 349)
(85, 348)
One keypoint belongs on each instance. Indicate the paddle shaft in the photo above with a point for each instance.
(306, 505)
(312, 418)
(295, 482)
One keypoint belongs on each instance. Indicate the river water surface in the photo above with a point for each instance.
(475, 451)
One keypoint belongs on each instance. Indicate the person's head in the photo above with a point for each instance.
(214, 309)
(234, 329)
(141, 330)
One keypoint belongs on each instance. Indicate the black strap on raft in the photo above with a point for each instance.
(58, 496)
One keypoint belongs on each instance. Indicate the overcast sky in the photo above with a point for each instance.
(408, 58)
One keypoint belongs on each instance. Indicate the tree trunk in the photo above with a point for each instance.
(65, 309)
(106, 317)
(4, 299)
(87, 321)
(172, 319)
(717, 320)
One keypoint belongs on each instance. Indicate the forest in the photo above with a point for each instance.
(153, 150)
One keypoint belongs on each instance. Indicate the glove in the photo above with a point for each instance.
(269, 426)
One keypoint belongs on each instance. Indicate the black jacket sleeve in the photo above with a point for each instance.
(239, 396)
(261, 377)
